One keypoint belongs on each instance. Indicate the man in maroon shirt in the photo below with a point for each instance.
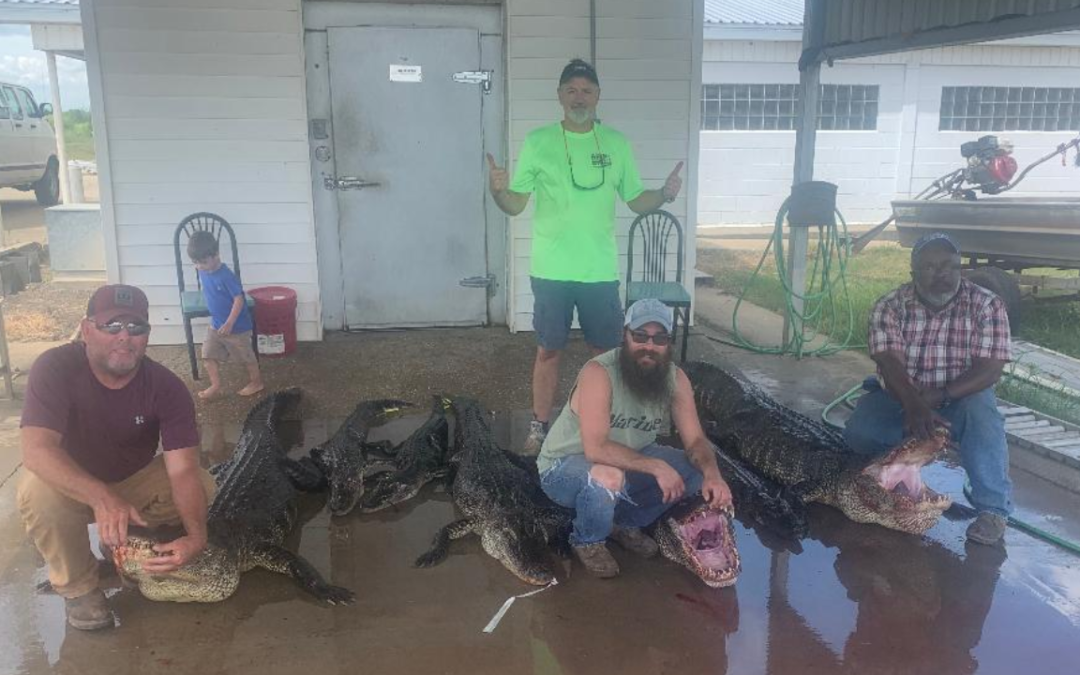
(95, 414)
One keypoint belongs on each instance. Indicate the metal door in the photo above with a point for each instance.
(408, 156)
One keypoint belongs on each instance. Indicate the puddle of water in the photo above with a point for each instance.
(856, 599)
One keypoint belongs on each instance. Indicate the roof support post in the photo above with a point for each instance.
(58, 127)
(805, 141)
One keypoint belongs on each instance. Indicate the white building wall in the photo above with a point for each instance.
(746, 175)
(199, 105)
(648, 61)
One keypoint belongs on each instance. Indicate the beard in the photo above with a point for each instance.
(648, 382)
(580, 115)
(938, 299)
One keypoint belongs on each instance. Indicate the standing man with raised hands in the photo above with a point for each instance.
(576, 167)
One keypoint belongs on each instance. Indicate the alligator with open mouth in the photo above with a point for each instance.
(701, 539)
(813, 460)
(253, 511)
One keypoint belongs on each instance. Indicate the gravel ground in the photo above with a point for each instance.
(489, 364)
(45, 311)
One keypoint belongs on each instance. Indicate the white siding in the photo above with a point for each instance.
(648, 60)
(746, 175)
(202, 108)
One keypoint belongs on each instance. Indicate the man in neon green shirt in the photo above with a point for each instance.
(576, 167)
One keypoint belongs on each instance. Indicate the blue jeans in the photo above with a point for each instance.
(877, 425)
(597, 509)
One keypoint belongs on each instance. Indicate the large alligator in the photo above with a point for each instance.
(252, 513)
(814, 461)
(416, 462)
(701, 539)
(344, 461)
(500, 499)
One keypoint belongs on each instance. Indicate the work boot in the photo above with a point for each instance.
(597, 559)
(636, 541)
(537, 433)
(987, 529)
(89, 612)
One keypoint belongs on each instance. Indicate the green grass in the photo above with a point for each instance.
(1046, 400)
(873, 273)
(78, 134)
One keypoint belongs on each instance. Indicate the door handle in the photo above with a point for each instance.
(348, 183)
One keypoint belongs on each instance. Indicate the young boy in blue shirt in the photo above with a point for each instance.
(229, 333)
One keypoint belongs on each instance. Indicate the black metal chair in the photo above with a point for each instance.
(192, 303)
(659, 237)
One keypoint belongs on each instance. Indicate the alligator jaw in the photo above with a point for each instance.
(704, 543)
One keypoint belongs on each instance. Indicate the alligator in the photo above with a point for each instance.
(418, 461)
(499, 496)
(701, 539)
(814, 461)
(344, 461)
(253, 511)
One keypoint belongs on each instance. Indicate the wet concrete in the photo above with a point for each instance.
(854, 599)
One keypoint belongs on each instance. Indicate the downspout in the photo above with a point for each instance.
(592, 32)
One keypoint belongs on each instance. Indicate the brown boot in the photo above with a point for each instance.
(633, 539)
(89, 612)
(597, 559)
(987, 529)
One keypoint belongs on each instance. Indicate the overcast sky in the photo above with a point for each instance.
(21, 64)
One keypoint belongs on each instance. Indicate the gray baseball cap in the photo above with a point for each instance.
(933, 237)
(646, 311)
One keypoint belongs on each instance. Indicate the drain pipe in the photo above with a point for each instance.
(592, 32)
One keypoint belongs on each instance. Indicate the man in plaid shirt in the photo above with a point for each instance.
(940, 344)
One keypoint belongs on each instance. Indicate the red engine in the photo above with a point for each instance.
(990, 164)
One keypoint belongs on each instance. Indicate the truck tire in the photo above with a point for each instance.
(1004, 285)
(47, 189)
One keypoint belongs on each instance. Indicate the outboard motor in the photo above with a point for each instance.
(990, 164)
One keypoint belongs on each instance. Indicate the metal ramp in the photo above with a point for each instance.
(1041, 433)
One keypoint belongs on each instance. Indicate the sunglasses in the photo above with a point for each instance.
(134, 328)
(641, 337)
(599, 161)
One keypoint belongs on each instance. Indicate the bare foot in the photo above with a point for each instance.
(209, 393)
(251, 389)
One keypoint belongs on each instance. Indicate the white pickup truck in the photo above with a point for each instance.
(27, 145)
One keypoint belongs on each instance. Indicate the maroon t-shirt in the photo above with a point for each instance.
(110, 433)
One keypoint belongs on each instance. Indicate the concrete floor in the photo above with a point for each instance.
(856, 599)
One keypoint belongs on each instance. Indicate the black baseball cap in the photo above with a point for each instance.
(578, 68)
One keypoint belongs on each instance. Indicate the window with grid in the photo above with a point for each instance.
(752, 107)
(1009, 109)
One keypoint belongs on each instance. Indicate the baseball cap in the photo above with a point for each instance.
(578, 68)
(115, 301)
(646, 311)
(928, 239)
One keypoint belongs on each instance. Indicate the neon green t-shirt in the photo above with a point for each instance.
(573, 235)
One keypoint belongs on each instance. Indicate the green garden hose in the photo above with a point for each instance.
(824, 301)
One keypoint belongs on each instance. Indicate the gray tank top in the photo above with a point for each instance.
(633, 423)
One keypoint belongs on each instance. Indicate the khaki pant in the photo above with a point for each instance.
(58, 524)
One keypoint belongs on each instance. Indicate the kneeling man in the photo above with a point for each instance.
(601, 457)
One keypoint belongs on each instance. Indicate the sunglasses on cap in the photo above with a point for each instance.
(641, 337)
(133, 328)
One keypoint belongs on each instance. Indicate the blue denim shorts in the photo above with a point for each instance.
(599, 312)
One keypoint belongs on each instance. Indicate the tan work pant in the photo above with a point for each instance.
(58, 524)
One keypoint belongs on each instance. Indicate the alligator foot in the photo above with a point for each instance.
(440, 546)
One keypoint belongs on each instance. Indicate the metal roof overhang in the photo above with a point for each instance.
(843, 29)
(39, 14)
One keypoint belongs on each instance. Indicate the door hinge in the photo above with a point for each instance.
(481, 77)
(487, 282)
(347, 183)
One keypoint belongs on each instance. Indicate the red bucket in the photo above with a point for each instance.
(275, 320)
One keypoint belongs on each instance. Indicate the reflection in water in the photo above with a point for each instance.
(921, 607)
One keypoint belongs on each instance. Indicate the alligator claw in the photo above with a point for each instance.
(334, 595)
